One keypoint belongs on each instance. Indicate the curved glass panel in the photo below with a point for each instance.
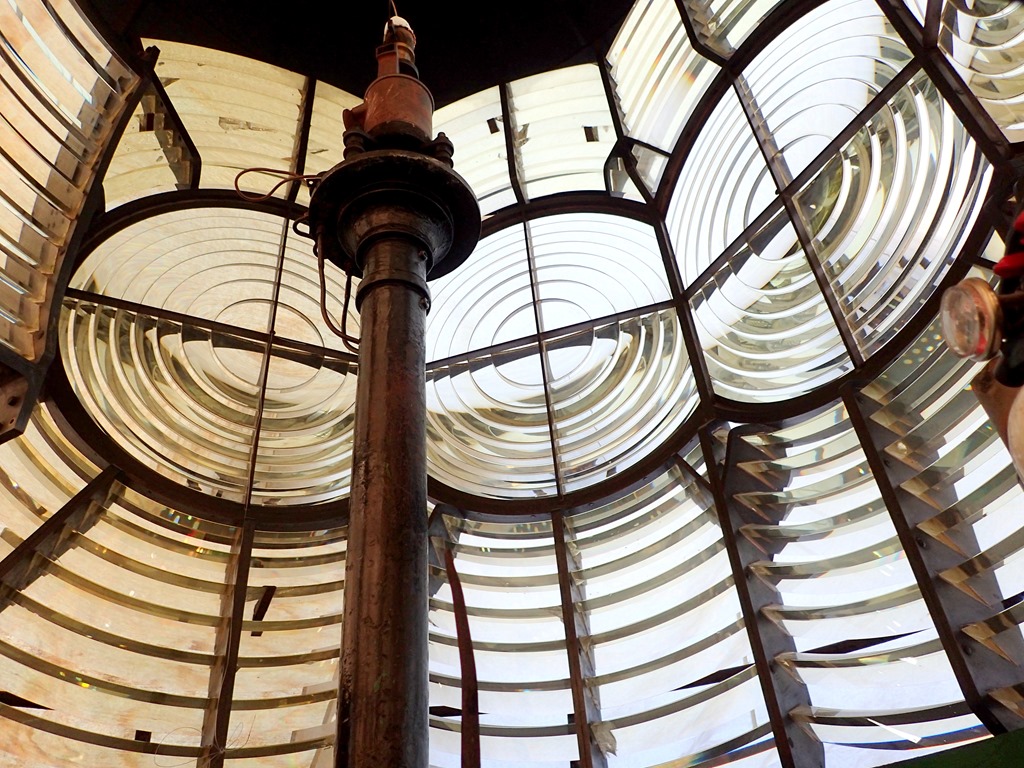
(592, 265)
(487, 424)
(183, 398)
(239, 113)
(814, 79)
(476, 127)
(562, 130)
(658, 77)
(985, 43)
(617, 393)
(889, 214)
(61, 91)
(763, 323)
(217, 264)
(613, 606)
(723, 187)
(488, 302)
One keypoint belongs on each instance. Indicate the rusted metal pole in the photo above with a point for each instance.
(390, 214)
(384, 673)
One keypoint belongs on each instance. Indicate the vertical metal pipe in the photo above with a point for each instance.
(384, 672)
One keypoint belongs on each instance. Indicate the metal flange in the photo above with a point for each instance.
(388, 193)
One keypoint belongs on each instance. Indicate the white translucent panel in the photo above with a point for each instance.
(927, 732)
(487, 301)
(61, 92)
(689, 724)
(326, 146)
(725, 185)
(658, 77)
(919, 8)
(514, 612)
(206, 544)
(667, 509)
(762, 322)
(821, 72)
(299, 312)
(445, 742)
(487, 425)
(617, 392)
(902, 681)
(45, 640)
(240, 113)
(29, 741)
(563, 130)
(35, 479)
(127, 693)
(505, 751)
(216, 263)
(119, 576)
(840, 755)
(706, 597)
(723, 25)
(985, 44)
(315, 751)
(899, 612)
(305, 440)
(279, 724)
(890, 213)
(476, 129)
(663, 612)
(184, 400)
(591, 265)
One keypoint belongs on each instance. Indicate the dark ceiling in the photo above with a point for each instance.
(457, 53)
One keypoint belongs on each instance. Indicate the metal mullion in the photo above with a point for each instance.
(211, 325)
(16, 566)
(691, 340)
(553, 335)
(265, 370)
(444, 560)
(302, 144)
(914, 544)
(545, 367)
(796, 747)
(217, 715)
(763, 219)
(568, 202)
(585, 707)
(441, 545)
(515, 166)
(783, 178)
(932, 20)
(21, 365)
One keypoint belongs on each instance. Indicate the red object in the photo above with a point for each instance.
(1011, 265)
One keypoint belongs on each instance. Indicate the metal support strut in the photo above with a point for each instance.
(394, 213)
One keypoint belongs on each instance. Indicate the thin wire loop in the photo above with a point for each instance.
(351, 342)
(285, 176)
